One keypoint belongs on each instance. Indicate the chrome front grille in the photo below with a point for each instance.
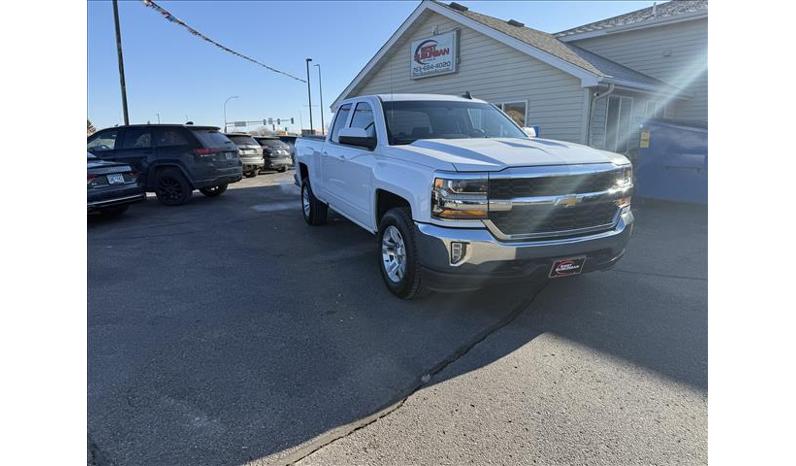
(551, 219)
(508, 188)
(553, 203)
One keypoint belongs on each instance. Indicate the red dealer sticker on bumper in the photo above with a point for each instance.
(567, 267)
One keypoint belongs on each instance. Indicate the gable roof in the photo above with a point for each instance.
(672, 11)
(589, 67)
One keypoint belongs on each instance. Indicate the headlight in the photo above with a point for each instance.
(625, 179)
(460, 197)
(624, 184)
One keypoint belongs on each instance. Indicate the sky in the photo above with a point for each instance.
(177, 77)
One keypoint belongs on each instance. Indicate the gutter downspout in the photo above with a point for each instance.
(594, 100)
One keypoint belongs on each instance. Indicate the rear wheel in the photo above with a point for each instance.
(399, 266)
(250, 173)
(213, 191)
(172, 188)
(315, 212)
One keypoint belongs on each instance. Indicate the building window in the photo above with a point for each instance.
(618, 128)
(656, 109)
(516, 110)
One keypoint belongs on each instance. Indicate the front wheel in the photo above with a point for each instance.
(250, 173)
(398, 262)
(315, 212)
(213, 191)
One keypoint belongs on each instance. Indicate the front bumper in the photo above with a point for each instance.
(488, 259)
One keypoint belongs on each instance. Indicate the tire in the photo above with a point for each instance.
(172, 188)
(250, 174)
(395, 229)
(281, 169)
(314, 211)
(214, 191)
(114, 211)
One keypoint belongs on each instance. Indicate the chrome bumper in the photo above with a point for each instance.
(487, 258)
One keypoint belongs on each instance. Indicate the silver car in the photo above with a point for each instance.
(250, 152)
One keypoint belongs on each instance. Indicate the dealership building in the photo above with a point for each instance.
(592, 84)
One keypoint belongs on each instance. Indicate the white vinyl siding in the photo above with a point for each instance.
(676, 54)
(490, 71)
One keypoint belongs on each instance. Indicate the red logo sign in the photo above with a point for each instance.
(428, 50)
(566, 267)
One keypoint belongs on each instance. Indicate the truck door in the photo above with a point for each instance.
(330, 158)
(350, 170)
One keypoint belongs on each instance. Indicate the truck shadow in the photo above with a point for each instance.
(242, 334)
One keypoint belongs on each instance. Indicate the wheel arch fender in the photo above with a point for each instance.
(155, 167)
(412, 183)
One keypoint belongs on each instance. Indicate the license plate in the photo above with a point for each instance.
(567, 267)
(115, 179)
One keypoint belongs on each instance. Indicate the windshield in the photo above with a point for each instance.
(408, 121)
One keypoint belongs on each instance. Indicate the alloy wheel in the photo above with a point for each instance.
(393, 253)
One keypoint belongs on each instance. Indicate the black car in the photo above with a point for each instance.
(112, 186)
(290, 141)
(172, 160)
(276, 154)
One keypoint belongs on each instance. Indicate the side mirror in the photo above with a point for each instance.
(531, 131)
(357, 137)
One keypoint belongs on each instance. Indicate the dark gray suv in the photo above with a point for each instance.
(172, 160)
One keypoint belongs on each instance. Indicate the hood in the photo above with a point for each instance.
(495, 154)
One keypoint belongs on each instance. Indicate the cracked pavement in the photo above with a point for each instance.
(226, 332)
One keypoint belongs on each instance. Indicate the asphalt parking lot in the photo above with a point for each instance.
(227, 331)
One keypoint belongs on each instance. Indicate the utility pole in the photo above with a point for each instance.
(320, 90)
(225, 111)
(309, 93)
(158, 114)
(121, 60)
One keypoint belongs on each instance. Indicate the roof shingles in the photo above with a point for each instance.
(664, 10)
(591, 62)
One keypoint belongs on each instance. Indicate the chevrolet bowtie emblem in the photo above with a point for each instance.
(567, 201)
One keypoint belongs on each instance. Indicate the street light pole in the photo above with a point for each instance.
(121, 60)
(225, 110)
(320, 90)
(309, 93)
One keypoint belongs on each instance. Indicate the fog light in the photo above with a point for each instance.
(458, 251)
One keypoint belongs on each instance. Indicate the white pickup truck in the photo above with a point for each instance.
(460, 196)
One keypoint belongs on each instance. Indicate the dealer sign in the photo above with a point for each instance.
(434, 55)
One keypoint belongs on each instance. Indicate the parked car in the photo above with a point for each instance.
(251, 153)
(112, 186)
(172, 160)
(290, 141)
(276, 154)
(459, 196)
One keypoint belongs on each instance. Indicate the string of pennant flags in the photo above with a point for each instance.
(173, 19)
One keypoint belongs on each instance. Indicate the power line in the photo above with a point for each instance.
(173, 19)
